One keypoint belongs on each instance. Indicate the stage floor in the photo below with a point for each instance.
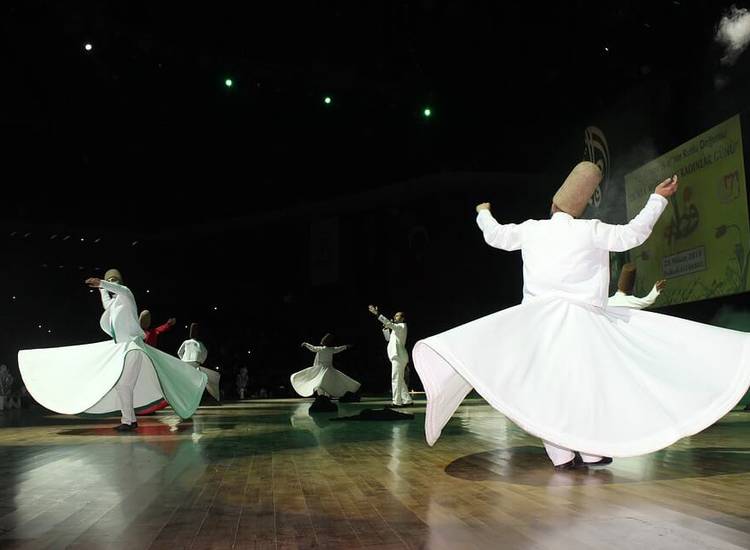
(265, 474)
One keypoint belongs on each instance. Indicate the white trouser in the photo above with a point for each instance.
(134, 360)
(561, 455)
(398, 386)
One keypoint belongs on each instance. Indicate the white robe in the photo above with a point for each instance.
(6, 381)
(194, 353)
(76, 379)
(607, 382)
(6, 387)
(395, 335)
(620, 299)
(241, 380)
(322, 377)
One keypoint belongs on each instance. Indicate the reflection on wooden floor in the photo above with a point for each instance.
(266, 474)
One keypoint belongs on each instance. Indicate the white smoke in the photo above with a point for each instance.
(733, 34)
(612, 208)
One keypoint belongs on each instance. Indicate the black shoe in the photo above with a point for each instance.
(126, 427)
(571, 465)
(323, 403)
(350, 397)
(603, 460)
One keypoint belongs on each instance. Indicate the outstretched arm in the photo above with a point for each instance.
(161, 329)
(386, 322)
(502, 236)
(96, 282)
(382, 318)
(116, 288)
(314, 349)
(649, 299)
(619, 238)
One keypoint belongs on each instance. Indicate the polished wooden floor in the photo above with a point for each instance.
(265, 474)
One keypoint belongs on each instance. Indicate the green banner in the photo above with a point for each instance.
(701, 243)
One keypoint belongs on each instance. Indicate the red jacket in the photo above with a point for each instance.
(152, 336)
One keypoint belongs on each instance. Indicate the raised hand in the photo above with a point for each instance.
(667, 188)
(93, 282)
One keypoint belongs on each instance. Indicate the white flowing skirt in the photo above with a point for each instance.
(213, 379)
(326, 379)
(78, 379)
(615, 382)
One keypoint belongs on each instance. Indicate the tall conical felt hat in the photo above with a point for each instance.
(194, 330)
(145, 319)
(113, 273)
(626, 282)
(577, 188)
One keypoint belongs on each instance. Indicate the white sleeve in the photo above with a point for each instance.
(387, 334)
(502, 236)
(386, 322)
(181, 351)
(115, 288)
(339, 349)
(619, 238)
(314, 349)
(106, 298)
(121, 290)
(202, 353)
(647, 300)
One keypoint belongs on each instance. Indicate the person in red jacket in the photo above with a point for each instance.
(151, 338)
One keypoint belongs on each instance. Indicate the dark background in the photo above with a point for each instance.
(270, 216)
